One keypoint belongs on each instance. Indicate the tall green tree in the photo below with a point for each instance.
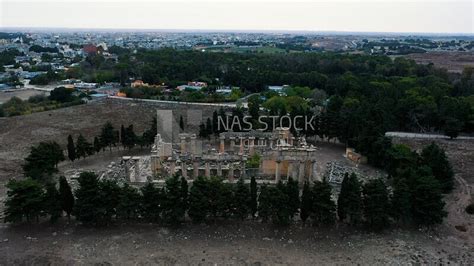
(253, 205)
(242, 200)
(67, 198)
(427, 200)
(376, 204)
(174, 206)
(323, 209)
(306, 202)
(24, 200)
(152, 198)
(71, 149)
(52, 202)
(87, 207)
(97, 145)
(293, 193)
(109, 200)
(181, 123)
(198, 201)
(435, 157)
(42, 160)
(349, 203)
(401, 201)
(83, 147)
(108, 136)
(129, 201)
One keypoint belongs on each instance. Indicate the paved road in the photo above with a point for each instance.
(422, 136)
(177, 102)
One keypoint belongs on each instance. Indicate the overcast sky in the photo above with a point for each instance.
(339, 15)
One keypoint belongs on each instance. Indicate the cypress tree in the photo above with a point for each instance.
(242, 200)
(87, 207)
(306, 202)
(67, 198)
(198, 202)
(52, 202)
(435, 157)
(253, 197)
(129, 202)
(173, 205)
(401, 201)
(97, 145)
(71, 149)
(349, 203)
(181, 123)
(293, 194)
(323, 209)
(427, 201)
(376, 204)
(82, 147)
(264, 203)
(151, 202)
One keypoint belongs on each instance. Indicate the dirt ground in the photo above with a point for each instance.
(221, 243)
(23, 94)
(452, 61)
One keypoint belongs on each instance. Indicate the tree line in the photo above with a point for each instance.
(102, 202)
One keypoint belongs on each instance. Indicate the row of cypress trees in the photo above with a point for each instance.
(101, 202)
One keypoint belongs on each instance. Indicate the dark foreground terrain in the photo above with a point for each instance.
(248, 243)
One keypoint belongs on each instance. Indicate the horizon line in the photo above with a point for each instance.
(341, 32)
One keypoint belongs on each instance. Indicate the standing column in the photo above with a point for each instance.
(232, 143)
(195, 169)
(219, 168)
(183, 144)
(277, 171)
(301, 173)
(294, 172)
(172, 168)
(231, 172)
(208, 170)
(241, 148)
(184, 171)
(251, 145)
(244, 171)
(289, 169)
(193, 145)
(222, 144)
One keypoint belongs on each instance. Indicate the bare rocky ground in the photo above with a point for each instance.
(220, 243)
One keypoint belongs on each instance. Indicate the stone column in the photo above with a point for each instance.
(219, 168)
(195, 169)
(184, 171)
(251, 145)
(222, 144)
(172, 168)
(183, 144)
(232, 142)
(208, 170)
(277, 171)
(193, 149)
(241, 148)
(289, 169)
(244, 174)
(231, 172)
(301, 173)
(294, 173)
